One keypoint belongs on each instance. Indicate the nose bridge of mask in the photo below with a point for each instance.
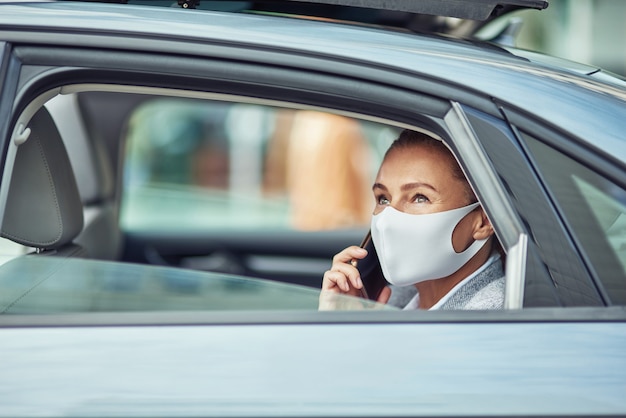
(450, 216)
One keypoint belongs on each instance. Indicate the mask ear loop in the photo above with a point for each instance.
(473, 207)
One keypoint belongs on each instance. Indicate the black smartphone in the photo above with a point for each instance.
(370, 270)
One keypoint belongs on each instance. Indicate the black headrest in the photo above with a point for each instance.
(44, 208)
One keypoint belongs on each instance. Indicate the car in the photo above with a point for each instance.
(176, 180)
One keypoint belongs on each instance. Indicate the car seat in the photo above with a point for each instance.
(101, 236)
(43, 208)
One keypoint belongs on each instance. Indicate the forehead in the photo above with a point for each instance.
(419, 158)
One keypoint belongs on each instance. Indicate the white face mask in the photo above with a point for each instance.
(416, 248)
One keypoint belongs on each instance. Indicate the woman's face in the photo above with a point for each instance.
(419, 179)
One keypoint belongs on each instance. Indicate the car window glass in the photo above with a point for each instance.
(609, 211)
(219, 165)
(50, 285)
(595, 209)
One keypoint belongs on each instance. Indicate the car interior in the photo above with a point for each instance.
(150, 186)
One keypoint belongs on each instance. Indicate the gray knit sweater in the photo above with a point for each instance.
(484, 290)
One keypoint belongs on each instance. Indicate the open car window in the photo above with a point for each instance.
(265, 190)
(236, 187)
(214, 194)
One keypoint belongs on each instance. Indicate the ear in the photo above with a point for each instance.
(482, 226)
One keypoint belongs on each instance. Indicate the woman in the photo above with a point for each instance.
(429, 231)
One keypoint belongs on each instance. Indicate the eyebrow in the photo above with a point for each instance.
(405, 187)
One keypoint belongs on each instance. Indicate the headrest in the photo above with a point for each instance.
(43, 209)
(89, 157)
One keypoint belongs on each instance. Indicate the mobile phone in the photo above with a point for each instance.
(371, 272)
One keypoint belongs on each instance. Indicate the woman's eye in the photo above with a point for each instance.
(382, 200)
(420, 198)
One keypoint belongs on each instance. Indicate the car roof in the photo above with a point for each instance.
(488, 71)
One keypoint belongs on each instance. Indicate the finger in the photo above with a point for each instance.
(328, 283)
(350, 272)
(384, 296)
(334, 280)
(349, 254)
(337, 282)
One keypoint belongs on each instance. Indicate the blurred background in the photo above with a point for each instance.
(587, 31)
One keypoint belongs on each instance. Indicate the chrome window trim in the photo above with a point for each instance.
(515, 274)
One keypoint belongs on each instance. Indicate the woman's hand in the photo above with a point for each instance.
(343, 277)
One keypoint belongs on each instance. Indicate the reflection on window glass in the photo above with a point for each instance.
(595, 209)
(610, 214)
(127, 287)
(193, 164)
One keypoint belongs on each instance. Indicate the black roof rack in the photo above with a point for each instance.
(411, 15)
(464, 9)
